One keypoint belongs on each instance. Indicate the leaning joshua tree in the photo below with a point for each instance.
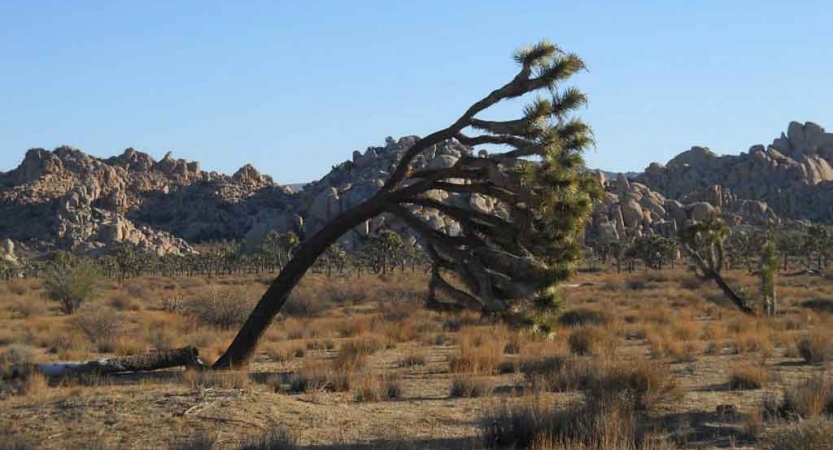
(496, 260)
(704, 242)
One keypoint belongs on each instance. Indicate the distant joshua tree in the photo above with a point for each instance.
(496, 261)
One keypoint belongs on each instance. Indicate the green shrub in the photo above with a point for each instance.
(70, 281)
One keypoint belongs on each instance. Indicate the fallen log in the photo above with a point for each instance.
(187, 357)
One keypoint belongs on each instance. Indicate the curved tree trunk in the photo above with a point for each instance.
(714, 275)
(244, 344)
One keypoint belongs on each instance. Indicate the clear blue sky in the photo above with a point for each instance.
(294, 87)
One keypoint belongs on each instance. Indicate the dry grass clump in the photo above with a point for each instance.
(816, 434)
(223, 310)
(375, 387)
(748, 376)
(582, 317)
(467, 386)
(477, 356)
(641, 383)
(592, 341)
(557, 373)
(816, 348)
(352, 353)
(533, 424)
(664, 343)
(414, 359)
(320, 377)
(809, 399)
(17, 376)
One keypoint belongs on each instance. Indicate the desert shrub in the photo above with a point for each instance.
(814, 434)
(640, 383)
(378, 387)
(581, 317)
(591, 341)
(101, 327)
(747, 376)
(809, 399)
(221, 309)
(319, 377)
(25, 307)
(590, 426)
(816, 348)
(467, 386)
(557, 374)
(14, 358)
(17, 375)
(353, 353)
(413, 359)
(303, 305)
(484, 358)
(70, 281)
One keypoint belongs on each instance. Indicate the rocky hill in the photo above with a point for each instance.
(67, 199)
(793, 175)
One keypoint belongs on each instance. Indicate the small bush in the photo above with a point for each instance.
(591, 341)
(590, 426)
(378, 387)
(100, 327)
(747, 376)
(810, 435)
(816, 348)
(809, 399)
(413, 359)
(467, 386)
(557, 374)
(640, 383)
(222, 310)
(70, 281)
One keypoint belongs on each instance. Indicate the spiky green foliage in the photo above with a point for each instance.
(769, 268)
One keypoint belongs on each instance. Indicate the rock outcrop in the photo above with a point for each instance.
(793, 175)
(631, 209)
(68, 199)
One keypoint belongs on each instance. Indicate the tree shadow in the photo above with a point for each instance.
(713, 429)
(819, 305)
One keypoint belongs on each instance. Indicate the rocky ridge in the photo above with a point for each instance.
(67, 199)
(793, 175)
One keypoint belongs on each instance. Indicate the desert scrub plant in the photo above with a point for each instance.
(558, 374)
(373, 387)
(70, 281)
(101, 327)
(223, 310)
(535, 424)
(816, 348)
(467, 386)
(414, 359)
(483, 359)
(276, 439)
(592, 341)
(747, 376)
(816, 434)
(808, 399)
(641, 383)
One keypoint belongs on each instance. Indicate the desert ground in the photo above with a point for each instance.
(356, 362)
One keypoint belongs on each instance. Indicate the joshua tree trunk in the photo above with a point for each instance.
(155, 360)
(715, 276)
(270, 304)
